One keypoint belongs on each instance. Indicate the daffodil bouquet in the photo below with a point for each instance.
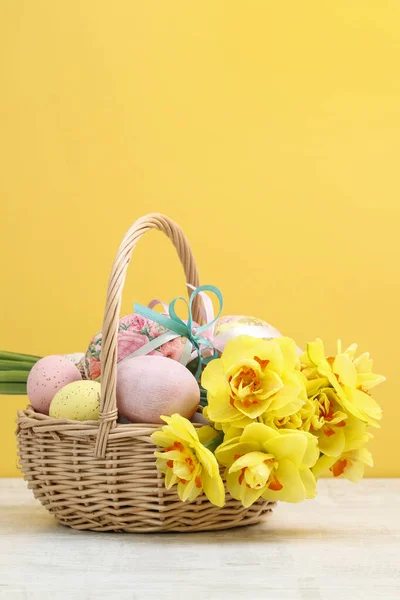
(277, 422)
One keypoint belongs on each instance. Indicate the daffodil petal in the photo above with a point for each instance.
(345, 370)
(271, 384)
(365, 404)
(170, 479)
(258, 433)
(288, 393)
(246, 347)
(351, 464)
(313, 386)
(213, 488)
(293, 489)
(350, 351)
(161, 463)
(356, 434)
(363, 363)
(309, 482)
(232, 432)
(163, 439)
(316, 353)
(322, 465)
(194, 493)
(249, 495)
(236, 350)
(354, 471)
(207, 459)
(369, 380)
(311, 454)
(288, 349)
(181, 427)
(220, 409)
(288, 446)
(233, 485)
(184, 489)
(213, 377)
(251, 459)
(331, 441)
(227, 451)
(366, 457)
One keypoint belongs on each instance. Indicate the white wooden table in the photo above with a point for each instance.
(345, 545)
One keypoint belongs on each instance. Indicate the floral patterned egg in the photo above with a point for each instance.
(134, 331)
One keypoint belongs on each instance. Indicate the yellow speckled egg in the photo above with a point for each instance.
(79, 401)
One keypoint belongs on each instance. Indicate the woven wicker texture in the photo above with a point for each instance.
(101, 475)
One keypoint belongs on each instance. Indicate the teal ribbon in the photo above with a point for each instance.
(176, 327)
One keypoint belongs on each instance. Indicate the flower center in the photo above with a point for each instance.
(261, 475)
(183, 466)
(245, 382)
(326, 417)
(292, 422)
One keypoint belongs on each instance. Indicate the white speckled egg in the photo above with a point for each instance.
(46, 377)
(151, 386)
(79, 401)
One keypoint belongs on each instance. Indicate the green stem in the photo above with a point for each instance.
(13, 376)
(213, 444)
(15, 365)
(4, 355)
(12, 388)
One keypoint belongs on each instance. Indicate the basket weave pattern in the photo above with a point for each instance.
(102, 475)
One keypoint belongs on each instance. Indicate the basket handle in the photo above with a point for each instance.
(108, 401)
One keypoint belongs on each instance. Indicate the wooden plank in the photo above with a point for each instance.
(344, 545)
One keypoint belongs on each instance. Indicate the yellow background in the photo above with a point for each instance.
(269, 130)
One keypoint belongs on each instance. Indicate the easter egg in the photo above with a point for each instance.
(46, 377)
(79, 401)
(199, 418)
(151, 386)
(231, 326)
(76, 357)
(134, 331)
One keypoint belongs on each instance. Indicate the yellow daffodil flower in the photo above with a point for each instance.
(350, 465)
(253, 377)
(187, 462)
(335, 429)
(351, 378)
(264, 462)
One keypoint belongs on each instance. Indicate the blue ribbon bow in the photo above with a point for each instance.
(176, 327)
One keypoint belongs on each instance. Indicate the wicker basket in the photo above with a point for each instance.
(101, 475)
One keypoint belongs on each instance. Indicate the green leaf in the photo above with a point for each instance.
(15, 365)
(213, 444)
(4, 355)
(13, 376)
(10, 389)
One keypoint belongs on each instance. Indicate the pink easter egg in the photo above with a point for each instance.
(199, 418)
(151, 386)
(46, 377)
